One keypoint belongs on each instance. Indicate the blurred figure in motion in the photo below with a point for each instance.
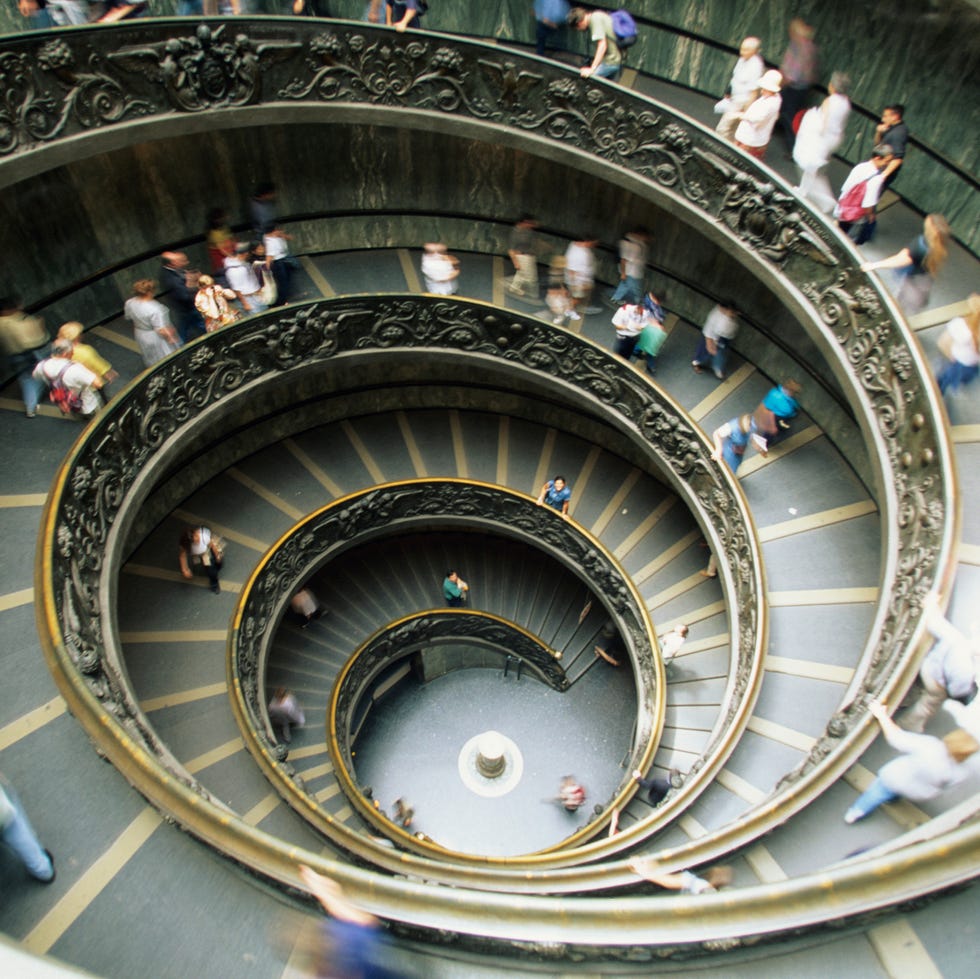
(571, 794)
(305, 607)
(439, 269)
(352, 944)
(284, 710)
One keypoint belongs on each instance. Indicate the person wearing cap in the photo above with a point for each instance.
(243, 280)
(757, 121)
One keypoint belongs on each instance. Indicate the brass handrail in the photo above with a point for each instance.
(453, 502)
(639, 144)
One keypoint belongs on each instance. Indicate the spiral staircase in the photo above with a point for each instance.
(761, 718)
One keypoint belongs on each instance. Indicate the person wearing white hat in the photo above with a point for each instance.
(757, 121)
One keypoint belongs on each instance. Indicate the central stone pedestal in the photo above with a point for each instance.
(490, 764)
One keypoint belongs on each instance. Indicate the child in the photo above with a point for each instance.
(439, 269)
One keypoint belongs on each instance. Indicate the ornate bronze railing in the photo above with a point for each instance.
(435, 504)
(71, 94)
(196, 395)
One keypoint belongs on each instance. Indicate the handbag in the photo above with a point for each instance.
(269, 291)
(218, 547)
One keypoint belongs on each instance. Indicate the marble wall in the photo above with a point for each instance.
(347, 187)
(925, 53)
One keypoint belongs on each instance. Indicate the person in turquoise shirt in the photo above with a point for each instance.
(454, 590)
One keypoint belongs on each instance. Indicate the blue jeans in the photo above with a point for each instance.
(256, 304)
(19, 835)
(877, 794)
(717, 361)
(629, 290)
(954, 375)
(23, 364)
(611, 72)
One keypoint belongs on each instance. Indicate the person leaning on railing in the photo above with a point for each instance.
(715, 878)
(927, 766)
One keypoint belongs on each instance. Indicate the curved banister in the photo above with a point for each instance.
(113, 467)
(308, 546)
(733, 201)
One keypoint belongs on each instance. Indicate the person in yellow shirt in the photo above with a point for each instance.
(87, 356)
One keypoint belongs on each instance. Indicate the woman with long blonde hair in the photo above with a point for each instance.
(918, 263)
(960, 345)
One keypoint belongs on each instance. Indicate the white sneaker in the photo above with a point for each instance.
(573, 315)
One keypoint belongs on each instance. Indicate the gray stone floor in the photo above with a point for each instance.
(413, 740)
(147, 921)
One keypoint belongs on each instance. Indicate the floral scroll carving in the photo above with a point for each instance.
(207, 69)
(44, 94)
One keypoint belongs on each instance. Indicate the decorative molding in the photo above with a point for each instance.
(68, 86)
(373, 513)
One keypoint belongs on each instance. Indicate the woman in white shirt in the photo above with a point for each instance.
(758, 120)
(960, 345)
(820, 135)
(440, 270)
(925, 768)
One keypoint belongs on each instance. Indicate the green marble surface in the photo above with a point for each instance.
(894, 50)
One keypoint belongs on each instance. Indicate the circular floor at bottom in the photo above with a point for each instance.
(411, 743)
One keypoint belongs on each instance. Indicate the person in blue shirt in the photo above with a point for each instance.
(771, 419)
(402, 14)
(550, 16)
(731, 440)
(556, 493)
